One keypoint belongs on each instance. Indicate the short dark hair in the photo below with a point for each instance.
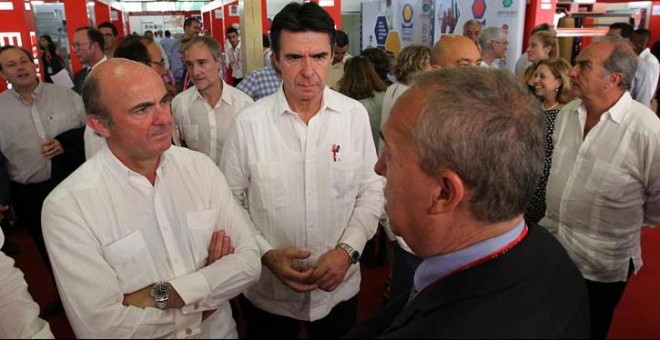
(168, 33)
(644, 33)
(132, 48)
(626, 30)
(296, 17)
(94, 35)
(341, 38)
(265, 41)
(190, 20)
(94, 105)
(231, 30)
(9, 47)
(111, 26)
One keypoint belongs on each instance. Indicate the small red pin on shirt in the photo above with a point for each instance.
(336, 155)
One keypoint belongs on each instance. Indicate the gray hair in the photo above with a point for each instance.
(472, 22)
(622, 60)
(94, 105)
(209, 42)
(490, 34)
(485, 126)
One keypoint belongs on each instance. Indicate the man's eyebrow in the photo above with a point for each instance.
(142, 105)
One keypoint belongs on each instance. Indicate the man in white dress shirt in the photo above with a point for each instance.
(300, 162)
(204, 112)
(604, 184)
(234, 55)
(136, 233)
(640, 40)
(19, 314)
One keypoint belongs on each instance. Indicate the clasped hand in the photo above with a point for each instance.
(327, 274)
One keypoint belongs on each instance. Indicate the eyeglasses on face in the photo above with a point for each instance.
(77, 46)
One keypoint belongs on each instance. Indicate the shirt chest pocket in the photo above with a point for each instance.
(345, 176)
(609, 181)
(270, 185)
(201, 224)
(191, 134)
(131, 261)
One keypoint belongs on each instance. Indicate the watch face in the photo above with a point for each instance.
(160, 292)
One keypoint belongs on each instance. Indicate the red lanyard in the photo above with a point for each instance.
(501, 251)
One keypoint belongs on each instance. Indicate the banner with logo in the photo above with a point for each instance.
(414, 21)
(450, 15)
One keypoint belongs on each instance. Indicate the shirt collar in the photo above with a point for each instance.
(119, 167)
(646, 52)
(224, 96)
(616, 112)
(437, 267)
(37, 92)
(97, 64)
(331, 101)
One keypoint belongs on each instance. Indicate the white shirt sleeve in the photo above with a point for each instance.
(19, 314)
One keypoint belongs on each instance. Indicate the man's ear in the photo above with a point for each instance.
(98, 125)
(615, 78)
(449, 192)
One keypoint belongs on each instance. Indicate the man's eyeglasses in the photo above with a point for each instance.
(77, 46)
(160, 63)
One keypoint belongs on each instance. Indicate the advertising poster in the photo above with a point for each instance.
(375, 25)
(414, 21)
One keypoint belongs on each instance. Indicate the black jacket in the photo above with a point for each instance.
(532, 291)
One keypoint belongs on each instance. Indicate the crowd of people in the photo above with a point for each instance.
(171, 193)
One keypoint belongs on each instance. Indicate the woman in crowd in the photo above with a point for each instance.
(53, 63)
(382, 61)
(362, 83)
(553, 87)
(411, 59)
(542, 45)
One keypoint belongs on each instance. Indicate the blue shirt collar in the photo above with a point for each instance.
(437, 267)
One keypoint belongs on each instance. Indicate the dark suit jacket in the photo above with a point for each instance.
(4, 181)
(79, 79)
(532, 291)
(74, 154)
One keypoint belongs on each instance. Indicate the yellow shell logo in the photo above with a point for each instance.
(407, 13)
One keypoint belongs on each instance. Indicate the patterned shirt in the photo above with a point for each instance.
(536, 209)
(260, 83)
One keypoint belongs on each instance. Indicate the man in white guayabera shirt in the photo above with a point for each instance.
(136, 235)
(604, 183)
(300, 161)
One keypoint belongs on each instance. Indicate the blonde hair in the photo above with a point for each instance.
(413, 58)
(559, 69)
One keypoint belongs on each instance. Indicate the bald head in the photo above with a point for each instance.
(115, 73)
(454, 51)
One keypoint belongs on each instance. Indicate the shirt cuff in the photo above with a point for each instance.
(192, 288)
(263, 244)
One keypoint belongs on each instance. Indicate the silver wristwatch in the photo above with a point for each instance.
(353, 255)
(160, 293)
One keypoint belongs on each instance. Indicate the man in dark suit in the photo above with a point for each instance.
(463, 153)
(88, 45)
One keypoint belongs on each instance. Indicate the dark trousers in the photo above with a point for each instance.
(603, 299)
(27, 200)
(261, 324)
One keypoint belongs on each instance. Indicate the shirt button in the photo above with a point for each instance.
(188, 331)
